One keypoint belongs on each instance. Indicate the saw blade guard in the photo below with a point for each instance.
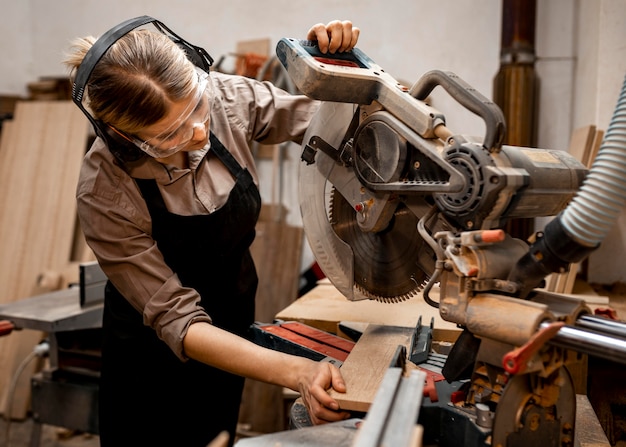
(334, 256)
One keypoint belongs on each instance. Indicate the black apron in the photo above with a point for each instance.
(147, 395)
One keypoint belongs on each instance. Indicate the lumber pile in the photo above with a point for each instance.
(41, 149)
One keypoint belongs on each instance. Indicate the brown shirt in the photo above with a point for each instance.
(115, 218)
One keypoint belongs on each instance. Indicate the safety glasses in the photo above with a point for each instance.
(181, 132)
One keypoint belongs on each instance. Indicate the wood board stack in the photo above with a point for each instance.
(41, 150)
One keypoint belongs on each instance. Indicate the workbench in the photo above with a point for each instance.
(65, 393)
(324, 307)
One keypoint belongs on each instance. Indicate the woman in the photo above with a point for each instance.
(172, 229)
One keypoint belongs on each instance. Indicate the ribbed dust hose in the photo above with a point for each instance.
(584, 223)
(592, 213)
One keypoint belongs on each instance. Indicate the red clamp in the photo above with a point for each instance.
(430, 388)
(516, 361)
(606, 312)
(6, 327)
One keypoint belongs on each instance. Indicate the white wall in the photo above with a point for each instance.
(582, 59)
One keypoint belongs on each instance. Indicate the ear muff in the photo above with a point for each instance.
(120, 147)
(123, 149)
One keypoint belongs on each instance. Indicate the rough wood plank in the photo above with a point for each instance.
(588, 430)
(595, 147)
(251, 55)
(367, 364)
(581, 143)
(39, 165)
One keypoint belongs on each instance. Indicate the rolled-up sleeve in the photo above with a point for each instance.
(270, 115)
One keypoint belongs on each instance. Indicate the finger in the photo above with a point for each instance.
(321, 396)
(324, 415)
(356, 32)
(337, 381)
(340, 35)
(347, 36)
(329, 377)
(319, 33)
(321, 414)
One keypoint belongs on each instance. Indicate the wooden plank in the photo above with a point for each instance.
(581, 143)
(565, 282)
(251, 55)
(595, 147)
(367, 364)
(551, 282)
(8, 158)
(589, 432)
(39, 165)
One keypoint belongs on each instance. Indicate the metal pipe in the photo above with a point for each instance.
(592, 343)
(603, 325)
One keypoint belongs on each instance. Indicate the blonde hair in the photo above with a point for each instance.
(136, 81)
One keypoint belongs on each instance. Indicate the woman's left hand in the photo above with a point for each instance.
(313, 388)
(335, 36)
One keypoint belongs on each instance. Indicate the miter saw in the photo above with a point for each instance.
(394, 202)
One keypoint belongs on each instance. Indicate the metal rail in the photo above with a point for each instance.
(597, 337)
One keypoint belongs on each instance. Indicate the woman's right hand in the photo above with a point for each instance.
(335, 36)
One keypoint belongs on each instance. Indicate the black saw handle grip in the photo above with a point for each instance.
(470, 98)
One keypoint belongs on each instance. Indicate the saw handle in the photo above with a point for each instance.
(470, 98)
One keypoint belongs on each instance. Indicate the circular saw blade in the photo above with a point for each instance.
(391, 265)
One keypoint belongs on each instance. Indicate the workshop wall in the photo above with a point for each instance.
(581, 58)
